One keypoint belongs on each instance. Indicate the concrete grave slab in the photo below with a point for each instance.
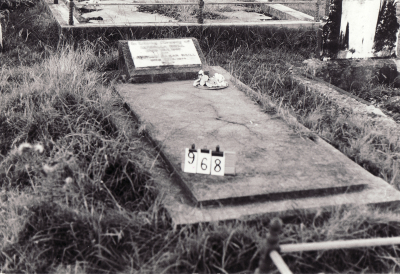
(161, 60)
(271, 160)
(276, 168)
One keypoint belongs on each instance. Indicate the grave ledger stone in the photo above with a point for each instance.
(161, 60)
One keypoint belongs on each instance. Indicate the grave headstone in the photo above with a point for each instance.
(161, 60)
(360, 29)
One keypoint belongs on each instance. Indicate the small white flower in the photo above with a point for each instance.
(24, 147)
(68, 180)
(196, 82)
(49, 169)
(39, 148)
(204, 80)
(219, 77)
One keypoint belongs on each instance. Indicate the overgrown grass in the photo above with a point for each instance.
(182, 13)
(370, 145)
(189, 13)
(88, 203)
(29, 32)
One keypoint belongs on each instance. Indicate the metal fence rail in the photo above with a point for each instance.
(200, 4)
(208, 3)
(273, 249)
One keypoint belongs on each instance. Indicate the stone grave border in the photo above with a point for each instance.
(346, 100)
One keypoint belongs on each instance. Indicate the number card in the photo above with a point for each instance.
(190, 160)
(217, 162)
(204, 161)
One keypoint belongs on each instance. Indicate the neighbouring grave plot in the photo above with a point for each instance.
(360, 29)
(359, 46)
(276, 169)
(92, 11)
(119, 13)
(161, 60)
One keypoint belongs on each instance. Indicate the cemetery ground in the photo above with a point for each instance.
(188, 13)
(87, 203)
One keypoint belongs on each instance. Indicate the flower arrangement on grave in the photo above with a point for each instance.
(218, 80)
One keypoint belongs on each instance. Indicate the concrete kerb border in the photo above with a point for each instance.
(344, 99)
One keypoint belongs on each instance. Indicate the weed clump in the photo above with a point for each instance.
(167, 10)
(61, 236)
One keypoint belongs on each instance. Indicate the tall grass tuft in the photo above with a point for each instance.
(86, 165)
(29, 32)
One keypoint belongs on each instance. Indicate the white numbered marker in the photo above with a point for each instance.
(190, 161)
(217, 162)
(204, 161)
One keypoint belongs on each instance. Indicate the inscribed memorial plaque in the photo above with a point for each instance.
(161, 60)
(156, 53)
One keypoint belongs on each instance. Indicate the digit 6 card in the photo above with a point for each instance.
(204, 161)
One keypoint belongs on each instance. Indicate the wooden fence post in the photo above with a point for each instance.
(71, 12)
(319, 30)
(1, 36)
(316, 18)
(200, 19)
(327, 7)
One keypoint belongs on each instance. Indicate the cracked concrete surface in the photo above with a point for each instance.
(271, 160)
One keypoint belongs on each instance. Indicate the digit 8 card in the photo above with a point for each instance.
(217, 162)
